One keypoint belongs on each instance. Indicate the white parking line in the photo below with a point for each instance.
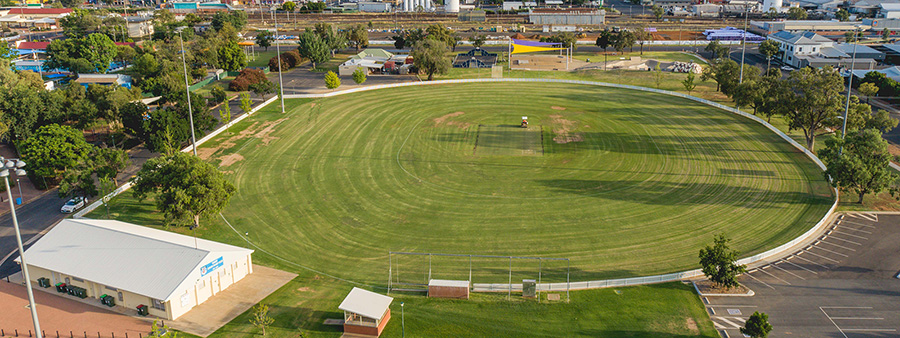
(839, 246)
(845, 240)
(851, 235)
(832, 322)
(855, 229)
(717, 305)
(786, 261)
(820, 256)
(811, 262)
(793, 274)
(858, 318)
(854, 223)
(776, 277)
(870, 330)
(834, 252)
(846, 307)
(757, 279)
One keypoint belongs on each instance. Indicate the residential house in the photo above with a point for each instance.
(808, 49)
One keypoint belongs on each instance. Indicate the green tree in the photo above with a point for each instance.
(225, 112)
(359, 37)
(53, 150)
(717, 50)
(125, 53)
(265, 38)
(642, 36)
(106, 188)
(359, 76)
(261, 318)
(429, 57)
(797, 13)
(658, 12)
(604, 41)
(757, 326)
(78, 23)
(232, 57)
(184, 187)
(91, 53)
(813, 102)
(886, 34)
(658, 75)
(332, 80)
(109, 162)
(78, 181)
(718, 263)
(6, 53)
(288, 6)
(842, 15)
(264, 88)
(623, 38)
(688, 83)
(69, 3)
(238, 19)
(478, 40)
(769, 49)
(565, 39)
(725, 72)
(313, 48)
(246, 103)
(218, 94)
(868, 89)
(859, 163)
(24, 109)
(333, 39)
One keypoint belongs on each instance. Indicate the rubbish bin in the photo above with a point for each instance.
(61, 287)
(142, 310)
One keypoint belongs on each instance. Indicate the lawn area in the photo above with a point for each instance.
(262, 58)
(660, 56)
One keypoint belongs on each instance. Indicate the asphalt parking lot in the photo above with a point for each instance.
(841, 285)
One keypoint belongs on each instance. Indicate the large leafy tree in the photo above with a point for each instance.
(91, 53)
(53, 150)
(109, 162)
(718, 263)
(78, 181)
(184, 186)
(332, 38)
(25, 109)
(725, 72)
(238, 19)
(359, 37)
(79, 23)
(429, 57)
(231, 57)
(717, 50)
(313, 48)
(860, 116)
(797, 13)
(265, 38)
(757, 326)
(859, 163)
(769, 49)
(565, 39)
(814, 101)
(623, 38)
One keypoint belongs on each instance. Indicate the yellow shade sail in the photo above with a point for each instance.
(531, 49)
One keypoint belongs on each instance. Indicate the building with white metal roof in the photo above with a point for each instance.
(365, 312)
(169, 273)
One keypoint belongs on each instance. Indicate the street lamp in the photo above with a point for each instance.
(849, 86)
(278, 50)
(187, 89)
(402, 322)
(16, 165)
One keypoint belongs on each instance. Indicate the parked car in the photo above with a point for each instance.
(74, 204)
(787, 68)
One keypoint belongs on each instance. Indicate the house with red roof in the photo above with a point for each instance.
(23, 17)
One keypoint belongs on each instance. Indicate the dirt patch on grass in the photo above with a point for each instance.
(256, 130)
(267, 129)
(230, 159)
(563, 130)
(557, 108)
(443, 121)
(691, 325)
(307, 289)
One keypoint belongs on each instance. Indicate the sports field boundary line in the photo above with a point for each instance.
(776, 253)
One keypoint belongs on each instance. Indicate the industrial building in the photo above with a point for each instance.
(374, 7)
(566, 16)
(135, 267)
(771, 27)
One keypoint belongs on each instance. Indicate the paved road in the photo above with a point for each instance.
(842, 285)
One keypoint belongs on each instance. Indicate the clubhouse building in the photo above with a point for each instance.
(153, 272)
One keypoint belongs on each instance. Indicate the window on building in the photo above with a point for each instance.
(110, 288)
(158, 304)
(121, 297)
(800, 49)
(78, 279)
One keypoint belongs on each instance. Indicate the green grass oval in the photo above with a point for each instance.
(621, 182)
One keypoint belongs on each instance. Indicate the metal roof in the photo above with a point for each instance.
(142, 260)
(450, 283)
(366, 303)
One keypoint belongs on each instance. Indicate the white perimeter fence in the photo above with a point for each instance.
(571, 285)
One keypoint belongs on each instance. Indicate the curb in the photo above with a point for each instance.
(749, 293)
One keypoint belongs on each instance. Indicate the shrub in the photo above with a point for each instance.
(273, 64)
(289, 59)
(218, 94)
(246, 78)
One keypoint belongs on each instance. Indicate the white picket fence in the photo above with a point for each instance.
(501, 287)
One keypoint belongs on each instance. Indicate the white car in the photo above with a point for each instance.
(74, 204)
(787, 68)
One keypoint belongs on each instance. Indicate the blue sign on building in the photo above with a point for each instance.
(211, 266)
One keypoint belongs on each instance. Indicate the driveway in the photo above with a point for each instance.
(842, 285)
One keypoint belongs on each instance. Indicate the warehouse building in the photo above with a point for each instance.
(136, 267)
(566, 16)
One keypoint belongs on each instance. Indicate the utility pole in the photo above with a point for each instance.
(187, 90)
(744, 42)
(280, 80)
(849, 86)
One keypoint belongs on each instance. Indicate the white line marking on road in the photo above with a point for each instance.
(865, 225)
(834, 252)
(757, 279)
(776, 277)
(732, 324)
(820, 256)
(846, 240)
(870, 330)
(719, 326)
(832, 322)
(839, 246)
(793, 274)
(717, 305)
(811, 262)
(846, 307)
(851, 235)
(855, 229)
(786, 261)
(858, 318)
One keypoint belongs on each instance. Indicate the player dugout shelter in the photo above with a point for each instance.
(365, 312)
(166, 272)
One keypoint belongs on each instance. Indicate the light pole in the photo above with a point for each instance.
(849, 86)
(5, 166)
(402, 322)
(22, 200)
(744, 42)
(187, 90)
(280, 80)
